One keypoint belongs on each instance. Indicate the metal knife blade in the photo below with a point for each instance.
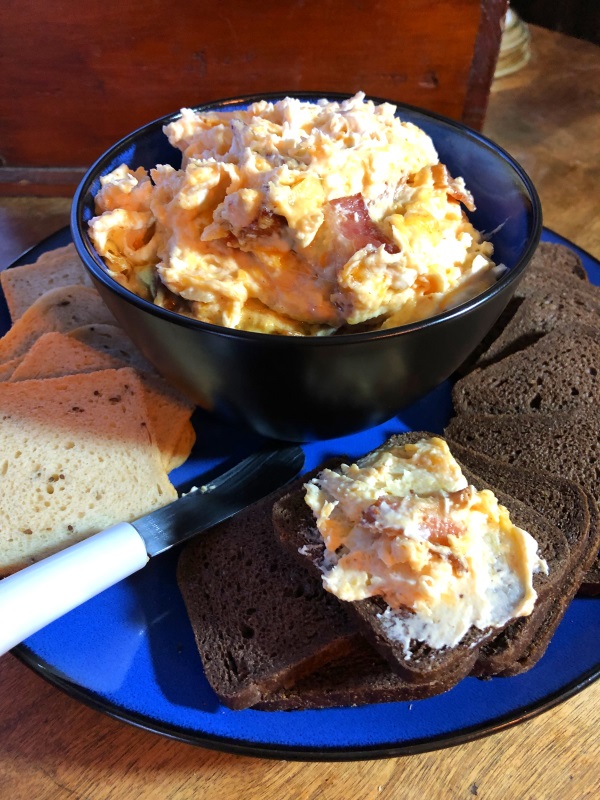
(242, 485)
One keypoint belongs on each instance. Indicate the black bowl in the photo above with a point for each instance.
(307, 388)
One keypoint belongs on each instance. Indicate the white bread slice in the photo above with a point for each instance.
(76, 456)
(22, 286)
(182, 447)
(7, 369)
(60, 309)
(56, 355)
(113, 341)
(175, 432)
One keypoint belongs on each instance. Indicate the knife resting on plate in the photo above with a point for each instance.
(37, 595)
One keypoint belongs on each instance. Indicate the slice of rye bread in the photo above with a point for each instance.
(23, 285)
(76, 457)
(565, 444)
(261, 620)
(294, 524)
(557, 373)
(566, 506)
(56, 354)
(60, 309)
(361, 677)
(540, 313)
(552, 265)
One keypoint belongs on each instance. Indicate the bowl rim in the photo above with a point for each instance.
(97, 268)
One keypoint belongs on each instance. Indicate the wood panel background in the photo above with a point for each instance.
(75, 77)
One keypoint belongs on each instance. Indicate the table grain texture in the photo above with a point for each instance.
(54, 748)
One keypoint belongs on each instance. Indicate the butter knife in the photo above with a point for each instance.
(37, 595)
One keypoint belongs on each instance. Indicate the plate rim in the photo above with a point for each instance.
(278, 751)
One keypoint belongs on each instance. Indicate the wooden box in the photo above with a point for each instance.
(75, 77)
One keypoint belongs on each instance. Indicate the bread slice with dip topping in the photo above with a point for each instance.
(269, 636)
(432, 568)
(237, 601)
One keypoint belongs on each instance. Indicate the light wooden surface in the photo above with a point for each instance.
(54, 748)
(547, 116)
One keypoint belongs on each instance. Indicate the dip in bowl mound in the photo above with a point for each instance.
(296, 218)
(306, 266)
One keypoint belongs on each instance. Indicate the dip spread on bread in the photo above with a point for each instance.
(295, 218)
(404, 524)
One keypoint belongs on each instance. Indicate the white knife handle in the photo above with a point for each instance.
(43, 592)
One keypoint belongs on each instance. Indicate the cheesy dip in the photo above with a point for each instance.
(295, 218)
(404, 524)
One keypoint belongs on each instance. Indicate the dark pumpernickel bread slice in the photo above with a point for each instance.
(539, 314)
(505, 318)
(552, 265)
(295, 526)
(566, 506)
(261, 620)
(360, 677)
(565, 444)
(559, 372)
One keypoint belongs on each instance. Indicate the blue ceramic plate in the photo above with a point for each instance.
(130, 652)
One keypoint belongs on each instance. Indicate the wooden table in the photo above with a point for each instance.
(54, 748)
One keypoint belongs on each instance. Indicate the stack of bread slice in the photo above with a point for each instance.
(531, 402)
(533, 397)
(89, 429)
(553, 267)
(269, 635)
